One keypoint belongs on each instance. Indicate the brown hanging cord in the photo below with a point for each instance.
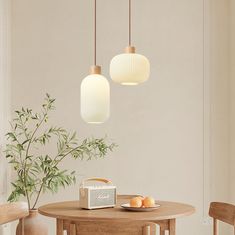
(94, 32)
(94, 68)
(129, 48)
(129, 22)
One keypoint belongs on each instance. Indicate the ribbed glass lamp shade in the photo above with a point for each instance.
(95, 99)
(129, 68)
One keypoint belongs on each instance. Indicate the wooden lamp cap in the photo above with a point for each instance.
(95, 69)
(130, 49)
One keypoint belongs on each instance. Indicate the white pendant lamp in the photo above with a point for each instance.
(95, 91)
(129, 68)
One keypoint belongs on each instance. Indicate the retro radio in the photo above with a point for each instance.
(97, 196)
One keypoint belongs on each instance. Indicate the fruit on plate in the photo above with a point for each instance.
(140, 201)
(149, 202)
(136, 202)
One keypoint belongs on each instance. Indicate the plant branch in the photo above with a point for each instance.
(39, 192)
(26, 155)
(38, 174)
(44, 179)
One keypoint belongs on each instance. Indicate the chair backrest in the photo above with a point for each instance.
(224, 212)
(13, 211)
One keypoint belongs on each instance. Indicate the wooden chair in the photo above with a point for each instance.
(224, 212)
(14, 211)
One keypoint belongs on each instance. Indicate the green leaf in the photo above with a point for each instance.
(26, 141)
(20, 147)
(11, 135)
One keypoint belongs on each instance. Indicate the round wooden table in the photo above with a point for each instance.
(76, 221)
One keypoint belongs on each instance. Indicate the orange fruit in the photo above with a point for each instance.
(149, 202)
(142, 200)
(136, 202)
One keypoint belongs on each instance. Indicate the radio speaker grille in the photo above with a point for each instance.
(102, 197)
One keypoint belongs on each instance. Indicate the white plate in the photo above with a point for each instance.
(139, 209)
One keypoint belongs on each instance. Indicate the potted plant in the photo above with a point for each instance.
(36, 172)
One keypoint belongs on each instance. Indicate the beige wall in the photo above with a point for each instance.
(4, 97)
(232, 99)
(220, 110)
(158, 125)
(219, 93)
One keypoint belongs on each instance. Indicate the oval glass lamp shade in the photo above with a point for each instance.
(95, 99)
(129, 69)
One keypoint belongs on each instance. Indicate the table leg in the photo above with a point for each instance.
(59, 227)
(172, 227)
(77, 229)
(72, 229)
(146, 230)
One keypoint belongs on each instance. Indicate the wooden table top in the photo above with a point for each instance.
(70, 210)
